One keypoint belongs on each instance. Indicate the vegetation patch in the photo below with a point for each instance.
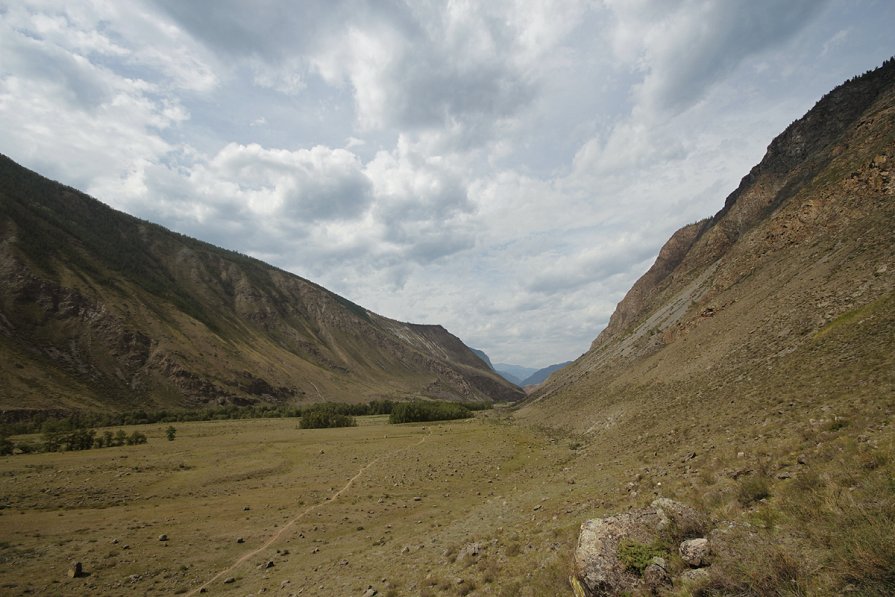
(637, 556)
(418, 411)
(323, 416)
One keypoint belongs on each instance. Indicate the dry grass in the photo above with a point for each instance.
(222, 480)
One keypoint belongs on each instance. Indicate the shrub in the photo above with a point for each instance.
(170, 432)
(6, 446)
(322, 416)
(136, 438)
(417, 411)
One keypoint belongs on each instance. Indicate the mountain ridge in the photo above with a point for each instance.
(102, 310)
(806, 238)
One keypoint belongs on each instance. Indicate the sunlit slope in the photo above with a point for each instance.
(781, 301)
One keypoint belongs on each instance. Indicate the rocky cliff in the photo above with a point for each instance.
(102, 310)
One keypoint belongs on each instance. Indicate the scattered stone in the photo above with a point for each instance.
(315, 550)
(240, 540)
(370, 592)
(417, 499)
(76, 570)
(229, 580)
(163, 537)
(114, 541)
(656, 577)
(266, 565)
(784, 475)
(802, 459)
(695, 552)
(343, 562)
(695, 575)
(203, 590)
(246, 508)
(405, 549)
(536, 508)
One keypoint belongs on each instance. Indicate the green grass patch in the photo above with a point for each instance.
(637, 556)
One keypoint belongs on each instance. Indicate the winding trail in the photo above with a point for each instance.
(277, 535)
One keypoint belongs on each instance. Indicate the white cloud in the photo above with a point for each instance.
(506, 169)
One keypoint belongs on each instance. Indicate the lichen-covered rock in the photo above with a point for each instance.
(695, 552)
(694, 577)
(656, 577)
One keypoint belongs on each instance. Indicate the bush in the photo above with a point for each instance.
(6, 446)
(419, 411)
(170, 432)
(323, 416)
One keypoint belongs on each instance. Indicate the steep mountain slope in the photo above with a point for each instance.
(102, 310)
(751, 371)
(803, 247)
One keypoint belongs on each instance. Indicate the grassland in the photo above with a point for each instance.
(334, 510)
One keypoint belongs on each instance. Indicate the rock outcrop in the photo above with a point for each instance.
(601, 565)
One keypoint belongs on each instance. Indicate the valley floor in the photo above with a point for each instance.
(418, 495)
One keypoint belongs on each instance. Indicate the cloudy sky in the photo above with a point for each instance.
(504, 168)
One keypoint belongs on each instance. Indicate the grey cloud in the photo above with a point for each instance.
(698, 43)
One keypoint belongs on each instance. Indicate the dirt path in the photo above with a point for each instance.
(277, 535)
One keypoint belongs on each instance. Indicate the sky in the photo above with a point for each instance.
(506, 169)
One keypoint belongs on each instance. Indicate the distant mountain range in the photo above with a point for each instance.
(100, 310)
(517, 374)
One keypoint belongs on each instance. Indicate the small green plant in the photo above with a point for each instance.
(637, 556)
(170, 433)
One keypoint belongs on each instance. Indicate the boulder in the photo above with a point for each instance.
(656, 577)
(695, 552)
(469, 552)
(597, 569)
(76, 570)
(695, 576)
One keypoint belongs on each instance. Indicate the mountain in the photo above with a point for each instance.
(481, 354)
(750, 372)
(513, 373)
(541, 375)
(791, 278)
(100, 310)
(777, 309)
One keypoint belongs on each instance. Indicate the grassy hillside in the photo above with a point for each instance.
(752, 370)
(100, 310)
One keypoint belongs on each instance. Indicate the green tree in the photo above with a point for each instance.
(170, 432)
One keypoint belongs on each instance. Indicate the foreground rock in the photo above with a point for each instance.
(598, 568)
